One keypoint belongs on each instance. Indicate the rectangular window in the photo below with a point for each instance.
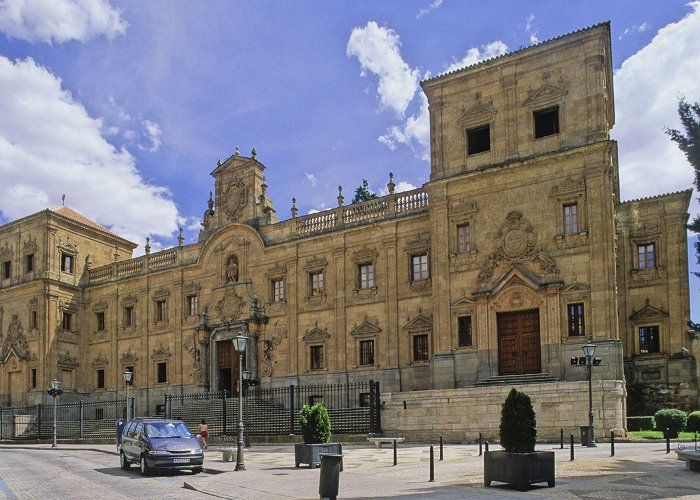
(161, 310)
(646, 255)
(162, 373)
(101, 378)
(420, 347)
(464, 331)
(366, 352)
(478, 140)
(192, 305)
(317, 287)
(367, 275)
(67, 321)
(463, 238)
(100, 321)
(316, 357)
(129, 317)
(29, 263)
(6, 268)
(577, 325)
(33, 378)
(278, 290)
(32, 320)
(67, 263)
(546, 122)
(571, 218)
(419, 267)
(648, 339)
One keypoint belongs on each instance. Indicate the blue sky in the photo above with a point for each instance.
(126, 106)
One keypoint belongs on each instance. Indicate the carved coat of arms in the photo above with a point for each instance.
(235, 197)
(230, 305)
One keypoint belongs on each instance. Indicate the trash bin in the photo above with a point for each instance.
(330, 475)
(584, 435)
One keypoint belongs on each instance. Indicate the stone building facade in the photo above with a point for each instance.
(496, 272)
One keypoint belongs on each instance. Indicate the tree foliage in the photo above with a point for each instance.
(689, 143)
(518, 430)
(315, 424)
(362, 193)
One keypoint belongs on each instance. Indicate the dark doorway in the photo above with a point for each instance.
(519, 342)
(226, 364)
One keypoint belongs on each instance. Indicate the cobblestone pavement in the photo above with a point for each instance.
(638, 471)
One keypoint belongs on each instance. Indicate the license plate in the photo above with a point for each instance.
(181, 460)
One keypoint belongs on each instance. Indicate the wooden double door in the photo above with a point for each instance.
(519, 342)
(227, 367)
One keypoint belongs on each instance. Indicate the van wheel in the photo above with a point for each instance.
(123, 461)
(143, 465)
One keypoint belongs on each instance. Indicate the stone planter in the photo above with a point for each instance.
(310, 453)
(519, 469)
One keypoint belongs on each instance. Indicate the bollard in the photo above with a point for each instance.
(331, 465)
(440, 447)
(486, 446)
(432, 466)
(612, 443)
(667, 433)
(480, 453)
(572, 447)
(561, 438)
(394, 451)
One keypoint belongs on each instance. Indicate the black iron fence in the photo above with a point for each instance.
(353, 408)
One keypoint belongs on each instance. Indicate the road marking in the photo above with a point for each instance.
(6, 489)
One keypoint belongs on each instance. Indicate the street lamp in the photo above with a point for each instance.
(55, 391)
(128, 377)
(247, 375)
(589, 351)
(239, 344)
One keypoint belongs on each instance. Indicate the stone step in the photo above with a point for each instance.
(530, 378)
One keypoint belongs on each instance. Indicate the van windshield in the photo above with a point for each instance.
(167, 430)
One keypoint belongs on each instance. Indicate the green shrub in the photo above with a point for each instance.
(640, 423)
(518, 430)
(693, 424)
(315, 424)
(671, 419)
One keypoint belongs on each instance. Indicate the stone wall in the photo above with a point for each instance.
(460, 414)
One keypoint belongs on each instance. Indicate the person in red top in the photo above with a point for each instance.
(203, 430)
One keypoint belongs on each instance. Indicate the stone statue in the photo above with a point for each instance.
(232, 269)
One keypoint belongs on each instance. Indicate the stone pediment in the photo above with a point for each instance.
(315, 263)
(422, 242)
(316, 334)
(463, 302)
(160, 353)
(546, 94)
(463, 209)
(67, 362)
(648, 312)
(365, 328)
(569, 187)
(278, 269)
(129, 358)
(6, 252)
(161, 293)
(30, 246)
(100, 361)
(576, 287)
(365, 254)
(68, 247)
(478, 113)
(420, 322)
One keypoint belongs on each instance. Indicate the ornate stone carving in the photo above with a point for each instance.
(365, 328)
(67, 362)
(477, 113)
(128, 358)
(648, 312)
(419, 322)
(14, 341)
(515, 238)
(232, 269)
(235, 196)
(160, 353)
(316, 334)
(30, 246)
(230, 306)
(100, 361)
(270, 346)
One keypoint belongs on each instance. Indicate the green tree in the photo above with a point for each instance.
(362, 193)
(689, 143)
(518, 429)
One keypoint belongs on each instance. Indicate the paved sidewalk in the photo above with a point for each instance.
(638, 471)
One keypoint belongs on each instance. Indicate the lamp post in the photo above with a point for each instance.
(128, 377)
(55, 391)
(589, 351)
(247, 375)
(240, 343)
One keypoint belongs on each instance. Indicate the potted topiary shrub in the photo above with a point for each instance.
(316, 431)
(518, 464)
(693, 424)
(671, 419)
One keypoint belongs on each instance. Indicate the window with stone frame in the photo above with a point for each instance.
(366, 352)
(420, 347)
(100, 321)
(100, 378)
(366, 275)
(29, 263)
(161, 372)
(316, 361)
(419, 267)
(161, 312)
(129, 316)
(278, 292)
(6, 269)
(478, 139)
(576, 320)
(316, 280)
(646, 255)
(33, 319)
(192, 305)
(464, 331)
(67, 263)
(463, 238)
(570, 218)
(67, 321)
(32, 381)
(649, 341)
(546, 122)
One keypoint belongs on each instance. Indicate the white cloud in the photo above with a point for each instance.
(474, 55)
(311, 177)
(634, 29)
(435, 4)
(60, 20)
(528, 22)
(49, 145)
(400, 187)
(414, 132)
(647, 87)
(377, 50)
(533, 38)
(152, 133)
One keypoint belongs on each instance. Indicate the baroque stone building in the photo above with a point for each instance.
(515, 254)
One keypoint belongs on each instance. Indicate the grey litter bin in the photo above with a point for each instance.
(330, 475)
(584, 435)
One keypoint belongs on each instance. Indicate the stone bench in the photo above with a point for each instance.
(378, 441)
(691, 459)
